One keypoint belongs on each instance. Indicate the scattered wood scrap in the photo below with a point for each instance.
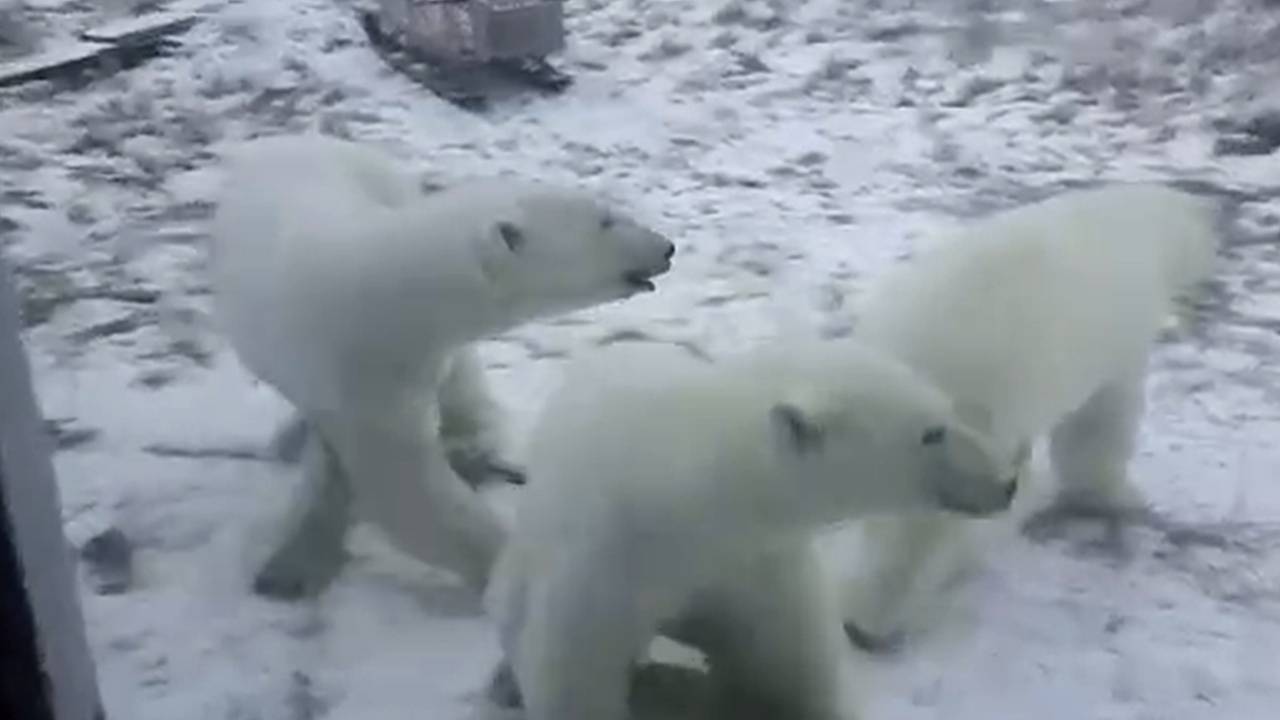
(71, 58)
(470, 52)
(109, 48)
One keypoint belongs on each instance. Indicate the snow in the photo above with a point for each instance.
(791, 149)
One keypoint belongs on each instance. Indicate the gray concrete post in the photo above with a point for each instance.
(46, 672)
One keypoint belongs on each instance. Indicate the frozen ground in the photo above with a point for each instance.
(792, 148)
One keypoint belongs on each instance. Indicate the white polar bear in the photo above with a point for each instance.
(357, 296)
(1038, 320)
(676, 493)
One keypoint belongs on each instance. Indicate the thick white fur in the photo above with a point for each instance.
(676, 493)
(357, 296)
(1035, 321)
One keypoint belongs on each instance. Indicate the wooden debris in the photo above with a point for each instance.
(115, 46)
(52, 63)
(435, 45)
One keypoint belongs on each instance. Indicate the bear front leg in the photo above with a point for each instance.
(575, 647)
(778, 648)
(882, 600)
(312, 549)
(471, 424)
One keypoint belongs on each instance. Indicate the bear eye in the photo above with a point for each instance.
(511, 235)
(607, 222)
(933, 435)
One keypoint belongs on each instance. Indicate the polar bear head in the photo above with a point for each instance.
(869, 435)
(550, 249)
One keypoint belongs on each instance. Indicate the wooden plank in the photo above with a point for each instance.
(128, 41)
(143, 29)
(46, 672)
(71, 57)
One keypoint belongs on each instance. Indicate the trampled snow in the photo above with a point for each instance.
(791, 149)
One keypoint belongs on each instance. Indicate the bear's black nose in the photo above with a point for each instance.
(1012, 489)
(670, 251)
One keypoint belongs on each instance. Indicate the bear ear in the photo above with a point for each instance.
(798, 429)
(499, 240)
(509, 235)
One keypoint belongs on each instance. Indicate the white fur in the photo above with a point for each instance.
(356, 296)
(1035, 321)
(672, 492)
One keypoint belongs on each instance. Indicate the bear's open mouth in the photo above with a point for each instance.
(641, 280)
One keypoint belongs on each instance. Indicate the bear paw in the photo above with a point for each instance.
(289, 576)
(503, 691)
(1114, 514)
(1124, 504)
(873, 644)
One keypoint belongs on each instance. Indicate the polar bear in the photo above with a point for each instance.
(1035, 321)
(358, 298)
(676, 494)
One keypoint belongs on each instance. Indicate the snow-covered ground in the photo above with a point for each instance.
(792, 148)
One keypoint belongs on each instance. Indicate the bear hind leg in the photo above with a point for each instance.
(1090, 450)
(404, 484)
(471, 424)
(312, 547)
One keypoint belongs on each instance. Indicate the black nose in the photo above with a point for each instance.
(670, 251)
(1012, 489)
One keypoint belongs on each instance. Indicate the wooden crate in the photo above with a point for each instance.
(476, 30)
(518, 28)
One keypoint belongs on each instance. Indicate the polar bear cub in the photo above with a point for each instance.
(357, 297)
(676, 493)
(1038, 320)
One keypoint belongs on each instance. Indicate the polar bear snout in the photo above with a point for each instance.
(995, 498)
(967, 504)
(1008, 491)
(969, 478)
(653, 260)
